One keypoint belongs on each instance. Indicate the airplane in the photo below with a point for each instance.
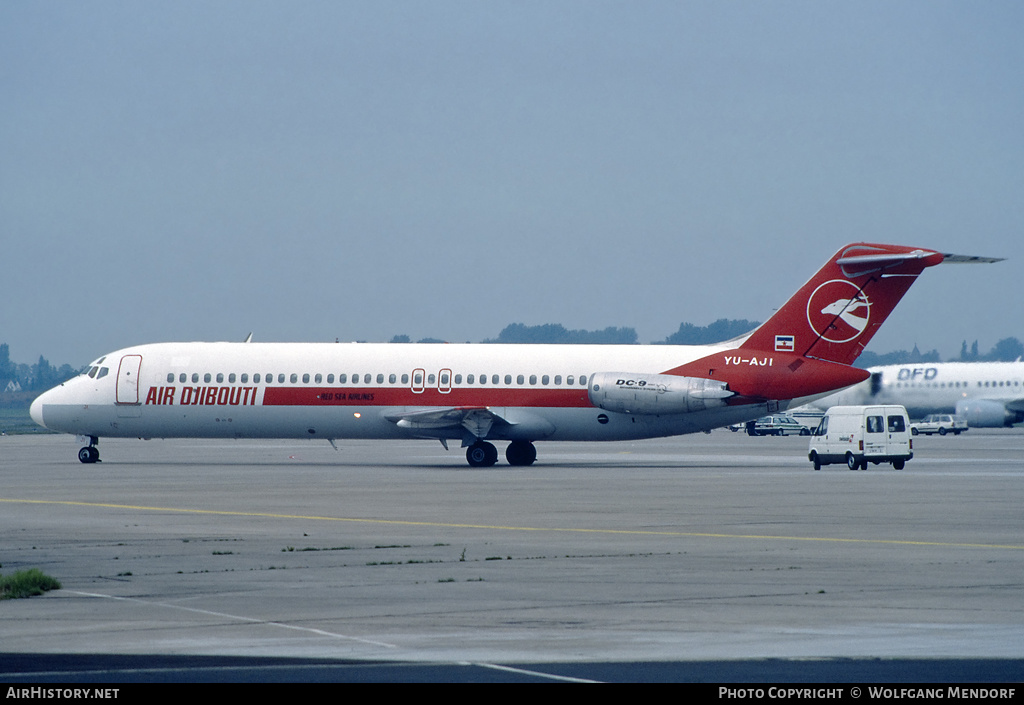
(986, 394)
(479, 393)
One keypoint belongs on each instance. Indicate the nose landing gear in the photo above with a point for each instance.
(90, 453)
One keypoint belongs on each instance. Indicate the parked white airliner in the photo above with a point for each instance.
(479, 393)
(986, 394)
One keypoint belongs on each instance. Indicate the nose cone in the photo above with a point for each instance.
(36, 410)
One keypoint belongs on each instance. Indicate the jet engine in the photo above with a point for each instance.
(639, 393)
(983, 413)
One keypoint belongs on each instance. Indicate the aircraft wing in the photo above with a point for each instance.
(478, 420)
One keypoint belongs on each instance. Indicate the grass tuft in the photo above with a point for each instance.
(26, 583)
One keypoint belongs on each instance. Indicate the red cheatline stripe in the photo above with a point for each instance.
(401, 396)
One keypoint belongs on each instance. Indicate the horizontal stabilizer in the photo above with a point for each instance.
(970, 259)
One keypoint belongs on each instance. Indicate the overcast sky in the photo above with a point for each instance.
(319, 170)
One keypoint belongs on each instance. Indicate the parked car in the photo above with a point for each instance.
(940, 424)
(777, 425)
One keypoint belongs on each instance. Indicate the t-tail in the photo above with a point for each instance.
(807, 347)
(835, 314)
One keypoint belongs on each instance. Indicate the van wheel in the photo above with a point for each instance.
(816, 460)
(898, 464)
(851, 461)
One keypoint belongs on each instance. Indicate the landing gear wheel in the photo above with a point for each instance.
(482, 454)
(520, 453)
(89, 454)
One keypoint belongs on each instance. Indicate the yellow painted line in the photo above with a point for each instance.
(498, 527)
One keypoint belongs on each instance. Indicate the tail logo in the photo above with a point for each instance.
(838, 311)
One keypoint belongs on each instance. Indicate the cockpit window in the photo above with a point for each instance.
(102, 373)
(93, 370)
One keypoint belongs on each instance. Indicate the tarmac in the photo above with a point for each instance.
(709, 548)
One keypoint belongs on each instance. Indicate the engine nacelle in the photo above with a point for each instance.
(983, 413)
(641, 393)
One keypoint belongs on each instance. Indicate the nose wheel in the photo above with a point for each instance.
(90, 453)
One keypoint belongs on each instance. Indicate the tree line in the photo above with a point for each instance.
(20, 377)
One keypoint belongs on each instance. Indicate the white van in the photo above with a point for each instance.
(857, 435)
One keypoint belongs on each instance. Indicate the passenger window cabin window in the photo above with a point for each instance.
(533, 379)
(469, 379)
(342, 379)
(431, 378)
(508, 379)
(392, 378)
(305, 378)
(330, 378)
(444, 379)
(520, 380)
(583, 380)
(558, 379)
(280, 377)
(380, 379)
(418, 379)
(220, 378)
(568, 380)
(405, 379)
(545, 380)
(245, 378)
(458, 379)
(183, 378)
(494, 379)
(293, 378)
(207, 378)
(319, 378)
(170, 377)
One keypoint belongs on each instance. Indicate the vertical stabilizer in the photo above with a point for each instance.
(834, 315)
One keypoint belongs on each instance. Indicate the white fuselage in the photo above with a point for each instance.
(358, 390)
(937, 387)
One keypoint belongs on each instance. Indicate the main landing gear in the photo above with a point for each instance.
(483, 454)
(90, 453)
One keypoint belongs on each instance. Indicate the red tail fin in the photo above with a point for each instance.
(834, 315)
